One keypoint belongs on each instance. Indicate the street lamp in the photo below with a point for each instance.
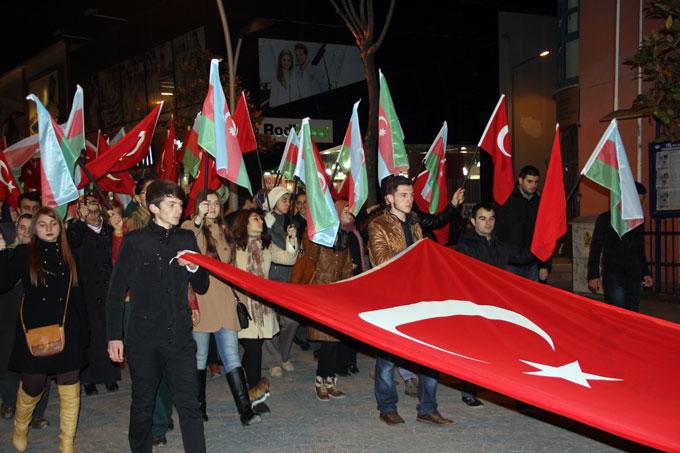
(542, 54)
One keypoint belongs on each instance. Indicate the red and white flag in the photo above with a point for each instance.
(127, 152)
(22, 151)
(601, 365)
(167, 164)
(9, 189)
(496, 142)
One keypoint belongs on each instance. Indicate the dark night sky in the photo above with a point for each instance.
(441, 58)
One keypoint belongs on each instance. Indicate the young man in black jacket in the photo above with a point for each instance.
(483, 245)
(158, 340)
(624, 262)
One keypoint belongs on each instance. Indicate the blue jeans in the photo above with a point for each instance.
(622, 290)
(386, 390)
(227, 348)
(529, 271)
(406, 374)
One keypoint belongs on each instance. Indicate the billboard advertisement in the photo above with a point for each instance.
(292, 70)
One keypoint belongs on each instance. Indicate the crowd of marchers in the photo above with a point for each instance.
(108, 289)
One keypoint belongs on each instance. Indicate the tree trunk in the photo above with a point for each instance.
(371, 136)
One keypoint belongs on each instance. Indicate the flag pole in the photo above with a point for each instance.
(573, 189)
(206, 175)
(259, 166)
(105, 200)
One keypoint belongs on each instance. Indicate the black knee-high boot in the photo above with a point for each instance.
(201, 375)
(239, 389)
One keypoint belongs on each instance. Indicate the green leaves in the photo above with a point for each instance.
(658, 59)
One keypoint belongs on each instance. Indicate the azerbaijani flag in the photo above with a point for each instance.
(322, 217)
(56, 182)
(290, 155)
(435, 165)
(392, 157)
(218, 134)
(357, 178)
(74, 129)
(191, 154)
(608, 167)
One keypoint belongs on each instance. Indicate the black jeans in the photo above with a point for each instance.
(252, 359)
(327, 359)
(622, 289)
(175, 362)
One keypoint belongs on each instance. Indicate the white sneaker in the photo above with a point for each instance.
(276, 371)
(288, 366)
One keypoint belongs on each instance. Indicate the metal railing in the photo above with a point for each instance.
(662, 242)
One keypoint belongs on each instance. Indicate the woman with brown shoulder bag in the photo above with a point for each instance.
(51, 334)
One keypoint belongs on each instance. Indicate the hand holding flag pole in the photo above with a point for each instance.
(81, 162)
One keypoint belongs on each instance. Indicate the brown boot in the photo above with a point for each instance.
(321, 391)
(22, 417)
(331, 388)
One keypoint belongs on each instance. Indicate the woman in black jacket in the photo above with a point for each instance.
(47, 270)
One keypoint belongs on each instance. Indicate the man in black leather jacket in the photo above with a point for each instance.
(158, 341)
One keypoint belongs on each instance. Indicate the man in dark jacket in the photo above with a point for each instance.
(624, 264)
(515, 222)
(158, 340)
(483, 245)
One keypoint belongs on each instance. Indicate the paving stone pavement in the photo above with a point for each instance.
(301, 423)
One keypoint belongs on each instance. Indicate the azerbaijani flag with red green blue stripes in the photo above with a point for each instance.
(435, 165)
(608, 167)
(392, 157)
(218, 134)
(56, 182)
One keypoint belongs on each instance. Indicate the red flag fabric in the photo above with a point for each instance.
(246, 135)
(102, 144)
(30, 175)
(551, 220)
(121, 183)
(9, 189)
(496, 142)
(601, 365)
(90, 151)
(214, 181)
(127, 152)
(167, 164)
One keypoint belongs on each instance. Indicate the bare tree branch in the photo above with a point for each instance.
(377, 44)
(352, 13)
(356, 33)
(362, 10)
(371, 22)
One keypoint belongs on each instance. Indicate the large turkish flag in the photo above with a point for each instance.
(601, 365)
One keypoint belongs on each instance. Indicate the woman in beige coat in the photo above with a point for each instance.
(218, 306)
(253, 255)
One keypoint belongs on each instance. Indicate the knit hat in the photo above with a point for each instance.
(273, 197)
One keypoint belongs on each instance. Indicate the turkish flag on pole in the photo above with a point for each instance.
(167, 164)
(120, 182)
(246, 135)
(9, 189)
(127, 152)
(496, 142)
(214, 181)
(551, 220)
(610, 368)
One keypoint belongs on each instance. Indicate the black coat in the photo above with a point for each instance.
(493, 252)
(93, 255)
(515, 221)
(44, 305)
(430, 222)
(158, 289)
(624, 256)
(9, 313)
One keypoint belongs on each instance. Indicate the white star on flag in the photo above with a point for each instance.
(382, 132)
(570, 372)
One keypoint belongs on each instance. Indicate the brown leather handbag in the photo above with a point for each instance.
(46, 340)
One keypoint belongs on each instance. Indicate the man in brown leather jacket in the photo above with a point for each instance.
(389, 233)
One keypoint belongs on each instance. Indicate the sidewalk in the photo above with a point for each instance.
(301, 423)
